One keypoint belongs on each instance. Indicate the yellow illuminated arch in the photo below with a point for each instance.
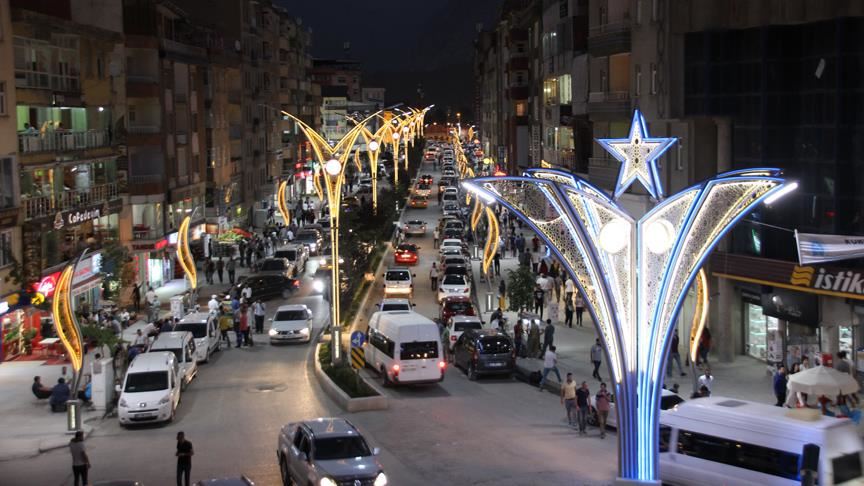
(65, 322)
(184, 255)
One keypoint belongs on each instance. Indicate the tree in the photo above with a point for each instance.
(118, 270)
(520, 288)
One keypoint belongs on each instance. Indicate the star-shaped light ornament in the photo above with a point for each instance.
(638, 154)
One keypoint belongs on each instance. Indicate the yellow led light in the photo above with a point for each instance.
(475, 215)
(65, 323)
(184, 255)
(700, 316)
(491, 240)
(283, 206)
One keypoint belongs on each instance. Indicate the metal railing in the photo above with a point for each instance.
(609, 28)
(43, 80)
(62, 141)
(42, 206)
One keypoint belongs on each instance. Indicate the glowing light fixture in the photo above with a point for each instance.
(659, 236)
(492, 235)
(333, 167)
(282, 204)
(615, 236)
(782, 192)
(700, 316)
(184, 255)
(373, 146)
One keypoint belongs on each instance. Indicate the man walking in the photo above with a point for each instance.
(582, 406)
(706, 380)
(232, 270)
(568, 397)
(550, 364)
(548, 336)
(569, 288)
(220, 269)
(80, 460)
(602, 402)
(496, 263)
(260, 310)
(780, 386)
(435, 236)
(184, 459)
(674, 356)
(579, 304)
(433, 277)
(538, 300)
(568, 312)
(596, 355)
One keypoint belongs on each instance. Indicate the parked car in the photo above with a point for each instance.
(275, 266)
(453, 259)
(325, 261)
(426, 179)
(406, 254)
(205, 330)
(398, 281)
(450, 209)
(453, 306)
(418, 202)
(484, 352)
(452, 284)
(182, 344)
(461, 270)
(327, 452)
(151, 389)
(291, 323)
(457, 325)
(296, 254)
(414, 227)
(452, 233)
(269, 286)
(450, 243)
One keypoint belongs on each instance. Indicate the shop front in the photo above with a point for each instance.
(787, 312)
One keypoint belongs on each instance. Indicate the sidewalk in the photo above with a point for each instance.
(745, 378)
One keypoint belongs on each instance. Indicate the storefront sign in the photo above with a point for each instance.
(791, 306)
(815, 248)
(155, 246)
(47, 284)
(78, 216)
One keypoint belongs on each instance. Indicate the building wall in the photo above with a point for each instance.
(10, 232)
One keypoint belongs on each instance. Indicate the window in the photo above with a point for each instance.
(550, 91)
(6, 257)
(419, 350)
(665, 432)
(565, 90)
(653, 78)
(638, 80)
(739, 454)
(7, 179)
(381, 342)
(521, 108)
(3, 98)
(100, 68)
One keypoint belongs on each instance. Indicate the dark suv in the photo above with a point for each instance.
(484, 352)
(268, 286)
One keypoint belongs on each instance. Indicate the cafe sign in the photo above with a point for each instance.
(78, 216)
(835, 280)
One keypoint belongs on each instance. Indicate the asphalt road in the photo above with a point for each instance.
(493, 431)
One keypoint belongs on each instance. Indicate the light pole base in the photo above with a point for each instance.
(636, 482)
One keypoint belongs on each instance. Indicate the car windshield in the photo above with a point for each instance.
(415, 223)
(494, 345)
(423, 187)
(456, 270)
(289, 254)
(669, 401)
(333, 448)
(419, 350)
(464, 326)
(290, 315)
(146, 382)
(453, 280)
(459, 306)
(397, 276)
(304, 236)
(407, 247)
(454, 261)
(395, 307)
(198, 329)
(272, 265)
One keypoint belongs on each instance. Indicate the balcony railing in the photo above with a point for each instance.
(609, 28)
(62, 141)
(610, 38)
(43, 80)
(43, 206)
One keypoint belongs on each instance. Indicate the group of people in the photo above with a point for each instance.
(840, 405)
(239, 315)
(577, 405)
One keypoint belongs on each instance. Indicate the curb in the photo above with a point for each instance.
(523, 371)
(341, 398)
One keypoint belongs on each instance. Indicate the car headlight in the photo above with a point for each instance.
(381, 479)
(165, 399)
(305, 330)
(323, 261)
(123, 402)
(318, 286)
(327, 482)
(272, 332)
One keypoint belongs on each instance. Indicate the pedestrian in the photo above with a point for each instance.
(583, 406)
(579, 304)
(220, 270)
(246, 294)
(704, 347)
(433, 277)
(533, 339)
(496, 264)
(706, 380)
(209, 269)
(213, 304)
(596, 356)
(225, 323)
(136, 297)
(245, 325)
(260, 311)
(548, 336)
(674, 356)
(550, 364)
(843, 365)
(184, 454)
(602, 403)
(556, 284)
(568, 397)
(80, 460)
(780, 386)
(538, 300)
(535, 243)
(569, 288)
(511, 242)
(518, 342)
(435, 236)
(502, 294)
(568, 312)
(231, 266)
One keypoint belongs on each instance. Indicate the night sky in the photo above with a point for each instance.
(401, 44)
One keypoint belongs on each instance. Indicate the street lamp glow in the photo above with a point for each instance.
(373, 146)
(659, 235)
(614, 236)
(333, 167)
(395, 135)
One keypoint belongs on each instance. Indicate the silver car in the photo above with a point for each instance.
(327, 452)
(414, 227)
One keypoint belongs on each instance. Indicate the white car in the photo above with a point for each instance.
(151, 389)
(449, 172)
(395, 305)
(414, 227)
(450, 243)
(450, 252)
(459, 324)
(292, 323)
(450, 209)
(398, 281)
(453, 285)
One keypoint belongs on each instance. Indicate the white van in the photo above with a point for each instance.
(182, 344)
(205, 331)
(723, 441)
(404, 347)
(150, 390)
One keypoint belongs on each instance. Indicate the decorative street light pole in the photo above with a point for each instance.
(634, 271)
(69, 331)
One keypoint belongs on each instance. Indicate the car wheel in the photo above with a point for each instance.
(592, 419)
(387, 382)
(283, 470)
(207, 358)
(472, 372)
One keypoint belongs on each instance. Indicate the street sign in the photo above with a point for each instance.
(357, 339)
(357, 358)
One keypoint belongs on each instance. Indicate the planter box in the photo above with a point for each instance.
(341, 398)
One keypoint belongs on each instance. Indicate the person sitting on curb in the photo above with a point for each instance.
(59, 396)
(39, 390)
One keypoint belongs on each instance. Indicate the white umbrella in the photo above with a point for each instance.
(821, 380)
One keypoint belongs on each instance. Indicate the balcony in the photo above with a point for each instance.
(609, 102)
(608, 39)
(43, 80)
(182, 49)
(145, 179)
(62, 141)
(45, 206)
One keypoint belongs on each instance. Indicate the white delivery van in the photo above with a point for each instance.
(182, 344)
(404, 347)
(723, 441)
(150, 390)
(205, 331)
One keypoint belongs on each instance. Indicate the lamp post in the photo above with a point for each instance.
(395, 137)
(69, 331)
(634, 271)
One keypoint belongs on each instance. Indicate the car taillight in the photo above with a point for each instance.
(297, 283)
(395, 369)
(442, 365)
